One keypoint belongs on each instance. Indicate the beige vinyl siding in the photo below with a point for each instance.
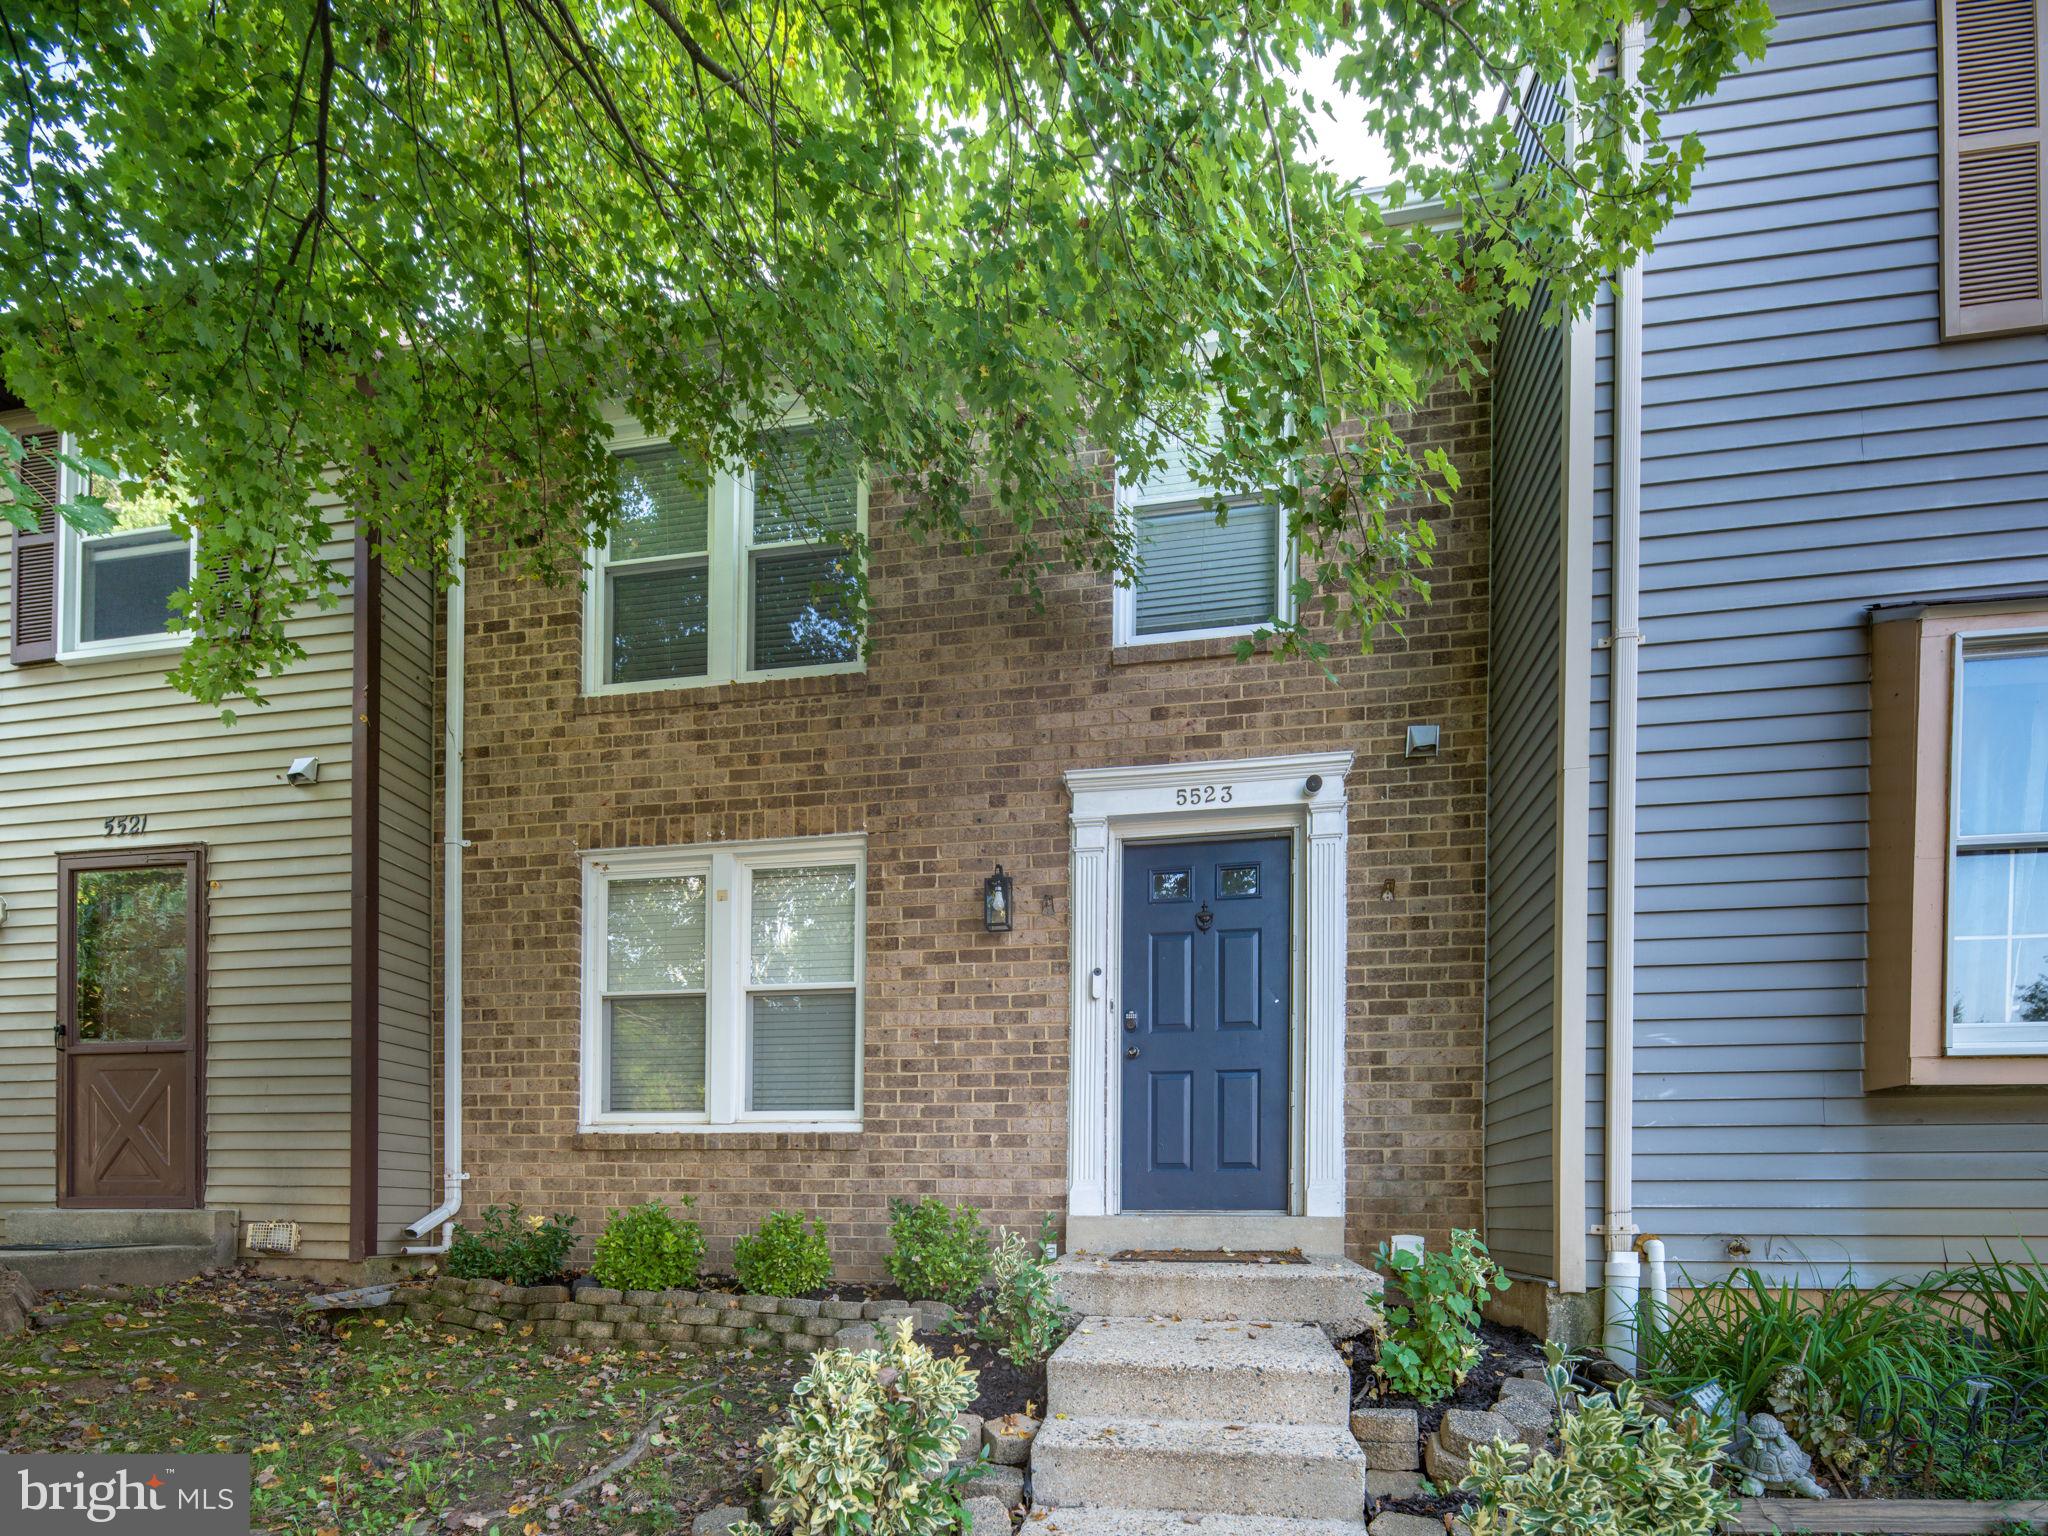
(405, 777)
(83, 741)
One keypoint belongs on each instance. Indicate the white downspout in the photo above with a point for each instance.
(1622, 1273)
(452, 844)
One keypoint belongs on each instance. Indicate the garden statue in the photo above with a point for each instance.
(1772, 1462)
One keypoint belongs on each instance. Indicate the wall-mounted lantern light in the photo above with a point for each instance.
(995, 902)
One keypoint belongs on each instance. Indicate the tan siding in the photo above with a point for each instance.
(405, 774)
(84, 741)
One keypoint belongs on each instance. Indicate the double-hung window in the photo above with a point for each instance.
(722, 985)
(1200, 575)
(716, 574)
(117, 587)
(1956, 979)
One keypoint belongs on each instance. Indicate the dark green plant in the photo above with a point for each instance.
(1430, 1338)
(645, 1248)
(785, 1258)
(2005, 1304)
(1024, 1317)
(941, 1253)
(514, 1248)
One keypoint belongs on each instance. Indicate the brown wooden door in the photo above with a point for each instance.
(131, 979)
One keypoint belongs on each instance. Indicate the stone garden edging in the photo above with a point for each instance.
(704, 1319)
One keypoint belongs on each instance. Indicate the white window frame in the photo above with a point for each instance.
(729, 597)
(728, 869)
(1132, 502)
(2018, 1044)
(70, 575)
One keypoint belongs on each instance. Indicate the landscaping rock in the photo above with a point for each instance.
(1385, 1426)
(1391, 1455)
(970, 1439)
(1531, 1416)
(1393, 1485)
(716, 1522)
(986, 1517)
(600, 1296)
(1004, 1484)
(1445, 1469)
(1521, 1386)
(847, 1311)
(1463, 1428)
(760, 1303)
(1009, 1439)
(1396, 1523)
(855, 1336)
(17, 1303)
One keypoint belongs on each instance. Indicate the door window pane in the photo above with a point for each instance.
(2003, 764)
(655, 935)
(1195, 573)
(130, 933)
(802, 1052)
(126, 582)
(803, 925)
(656, 1054)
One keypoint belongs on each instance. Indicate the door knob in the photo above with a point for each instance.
(1130, 1021)
(1130, 1053)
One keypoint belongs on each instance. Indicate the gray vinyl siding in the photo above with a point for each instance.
(81, 741)
(1522, 782)
(1810, 449)
(405, 1182)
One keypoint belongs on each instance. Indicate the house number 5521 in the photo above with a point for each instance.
(1204, 794)
(126, 826)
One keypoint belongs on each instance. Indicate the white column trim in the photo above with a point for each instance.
(1168, 799)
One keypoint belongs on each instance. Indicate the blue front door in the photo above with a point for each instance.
(1203, 1025)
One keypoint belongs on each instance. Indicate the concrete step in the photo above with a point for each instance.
(1295, 1471)
(1154, 1522)
(1150, 1368)
(66, 1269)
(1338, 1296)
(51, 1227)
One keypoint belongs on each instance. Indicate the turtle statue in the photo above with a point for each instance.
(1772, 1462)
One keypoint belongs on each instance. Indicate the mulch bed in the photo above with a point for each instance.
(1004, 1388)
(1503, 1353)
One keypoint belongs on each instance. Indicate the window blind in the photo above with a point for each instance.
(1195, 574)
(656, 1054)
(803, 612)
(662, 510)
(655, 935)
(801, 1055)
(805, 482)
(802, 925)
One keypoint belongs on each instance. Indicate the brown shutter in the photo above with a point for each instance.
(34, 611)
(1994, 171)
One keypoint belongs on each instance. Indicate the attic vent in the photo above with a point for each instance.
(278, 1237)
(1993, 243)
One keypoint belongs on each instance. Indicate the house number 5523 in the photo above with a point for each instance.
(1204, 794)
(126, 826)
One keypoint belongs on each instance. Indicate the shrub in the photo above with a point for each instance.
(940, 1253)
(785, 1258)
(1430, 1339)
(646, 1249)
(1024, 1317)
(520, 1250)
(869, 1444)
(1618, 1471)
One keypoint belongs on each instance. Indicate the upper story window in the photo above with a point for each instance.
(1956, 980)
(1199, 576)
(722, 985)
(728, 574)
(118, 586)
(1998, 907)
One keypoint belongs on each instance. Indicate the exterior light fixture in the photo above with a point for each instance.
(995, 902)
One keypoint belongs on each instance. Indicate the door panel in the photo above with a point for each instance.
(1206, 946)
(131, 973)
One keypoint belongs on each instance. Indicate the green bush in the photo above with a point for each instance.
(646, 1249)
(1430, 1339)
(1024, 1317)
(941, 1253)
(785, 1258)
(520, 1250)
(1618, 1471)
(869, 1444)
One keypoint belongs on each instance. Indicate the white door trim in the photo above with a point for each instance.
(1229, 796)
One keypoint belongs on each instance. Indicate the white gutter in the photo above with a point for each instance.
(452, 844)
(1622, 1272)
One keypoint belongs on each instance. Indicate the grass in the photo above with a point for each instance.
(383, 1428)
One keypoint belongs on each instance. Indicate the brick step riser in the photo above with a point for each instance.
(1111, 1390)
(1162, 1478)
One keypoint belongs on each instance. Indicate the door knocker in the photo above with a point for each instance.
(1204, 918)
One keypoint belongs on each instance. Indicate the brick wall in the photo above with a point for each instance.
(948, 753)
